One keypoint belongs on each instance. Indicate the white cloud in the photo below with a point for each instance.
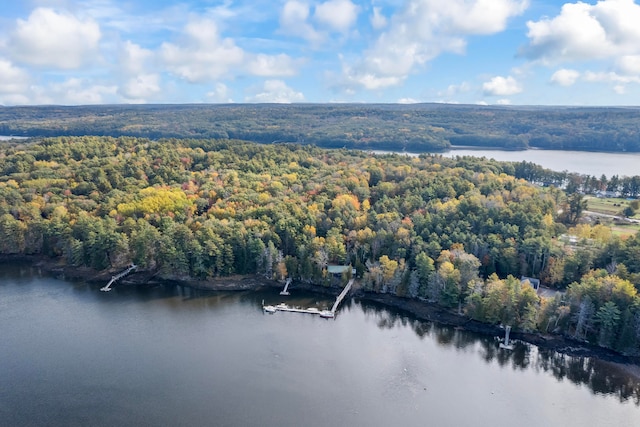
(620, 19)
(408, 101)
(453, 90)
(481, 16)
(118, 17)
(54, 39)
(610, 77)
(619, 82)
(501, 86)
(75, 91)
(13, 80)
(138, 83)
(607, 31)
(583, 32)
(281, 65)
(565, 77)
(276, 91)
(339, 15)
(422, 30)
(201, 55)
(293, 21)
(368, 80)
(134, 59)
(141, 87)
(629, 64)
(378, 20)
(14, 99)
(503, 101)
(620, 89)
(220, 93)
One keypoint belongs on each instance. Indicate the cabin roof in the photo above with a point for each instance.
(338, 269)
(535, 283)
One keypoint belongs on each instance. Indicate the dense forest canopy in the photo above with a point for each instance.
(459, 232)
(416, 127)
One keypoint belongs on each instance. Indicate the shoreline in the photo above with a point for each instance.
(433, 313)
(421, 310)
(481, 148)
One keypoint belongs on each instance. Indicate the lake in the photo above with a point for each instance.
(165, 356)
(8, 138)
(582, 162)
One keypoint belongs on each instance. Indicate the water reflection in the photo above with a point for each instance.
(598, 376)
(601, 377)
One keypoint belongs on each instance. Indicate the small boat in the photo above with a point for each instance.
(269, 309)
(282, 306)
(327, 314)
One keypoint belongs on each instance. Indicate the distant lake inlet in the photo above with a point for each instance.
(9, 137)
(582, 162)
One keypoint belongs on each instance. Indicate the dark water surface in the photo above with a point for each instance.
(170, 356)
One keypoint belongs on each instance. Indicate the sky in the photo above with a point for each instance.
(496, 52)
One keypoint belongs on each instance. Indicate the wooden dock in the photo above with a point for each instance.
(118, 277)
(322, 313)
(343, 294)
(285, 291)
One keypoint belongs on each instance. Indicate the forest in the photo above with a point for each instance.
(459, 232)
(395, 127)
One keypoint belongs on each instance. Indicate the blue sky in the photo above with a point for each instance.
(520, 52)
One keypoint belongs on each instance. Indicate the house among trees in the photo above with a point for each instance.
(607, 194)
(535, 283)
(337, 271)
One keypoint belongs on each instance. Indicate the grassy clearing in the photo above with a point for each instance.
(625, 230)
(621, 228)
(610, 206)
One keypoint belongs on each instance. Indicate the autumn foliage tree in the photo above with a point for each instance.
(456, 231)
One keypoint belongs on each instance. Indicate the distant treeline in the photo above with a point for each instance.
(417, 127)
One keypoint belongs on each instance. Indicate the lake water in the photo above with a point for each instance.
(582, 162)
(166, 356)
(7, 138)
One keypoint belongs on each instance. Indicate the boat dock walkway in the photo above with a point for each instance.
(118, 277)
(343, 294)
(285, 291)
(322, 313)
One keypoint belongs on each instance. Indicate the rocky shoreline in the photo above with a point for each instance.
(434, 313)
(418, 309)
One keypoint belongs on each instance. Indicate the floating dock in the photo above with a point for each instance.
(284, 307)
(322, 313)
(505, 345)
